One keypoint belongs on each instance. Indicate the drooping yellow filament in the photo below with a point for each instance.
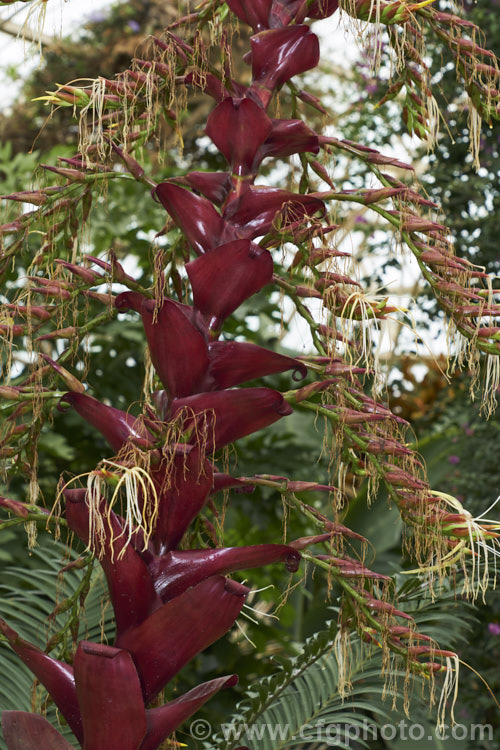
(479, 577)
(137, 483)
(450, 687)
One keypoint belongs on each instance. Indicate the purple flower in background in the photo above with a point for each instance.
(96, 17)
(494, 628)
(454, 459)
(134, 26)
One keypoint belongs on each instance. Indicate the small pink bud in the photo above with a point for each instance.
(321, 172)
(330, 278)
(73, 175)
(419, 224)
(338, 367)
(380, 194)
(310, 390)
(350, 416)
(90, 277)
(400, 478)
(34, 311)
(318, 256)
(10, 392)
(70, 380)
(308, 98)
(488, 332)
(51, 290)
(306, 291)
(451, 19)
(11, 228)
(14, 506)
(376, 158)
(132, 165)
(61, 333)
(12, 330)
(60, 283)
(331, 333)
(37, 197)
(105, 299)
(307, 486)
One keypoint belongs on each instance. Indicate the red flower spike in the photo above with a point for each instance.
(112, 718)
(56, 676)
(253, 12)
(130, 579)
(238, 127)
(180, 629)
(178, 350)
(115, 425)
(224, 278)
(175, 572)
(280, 54)
(25, 731)
(225, 416)
(213, 185)
(234, 362)
(183, 489)
(127, 575)
(271, 14)
(197, 218)
(163, 720)
(110, 697)
(285, 11)
(253, 213)
(289, 137)
(186, 364)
